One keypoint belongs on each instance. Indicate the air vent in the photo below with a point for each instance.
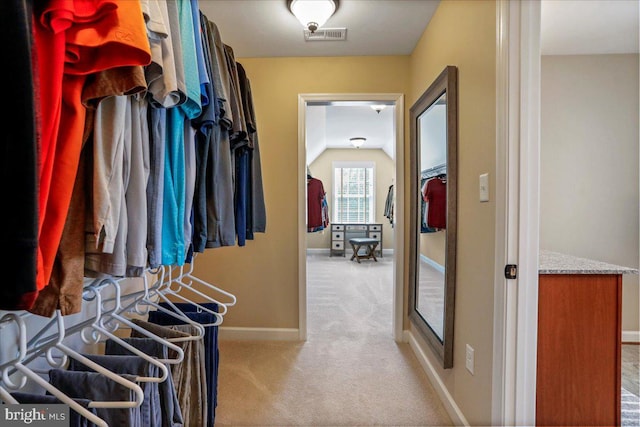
(326, 34)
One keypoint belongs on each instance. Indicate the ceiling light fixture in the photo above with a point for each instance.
(378, 107)
(312, 14)
(357, 141)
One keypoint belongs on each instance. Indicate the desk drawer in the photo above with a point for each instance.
(375, 227)
(337, 235)
(356, 227)
(337, 227)
(339, 245)
(374, 235)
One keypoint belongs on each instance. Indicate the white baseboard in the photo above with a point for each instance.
(631, 336)
(318, 251)
(432, 263)
(258, 334)
(450, 405)
(326, 251)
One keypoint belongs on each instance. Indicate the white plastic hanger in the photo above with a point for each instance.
(69, 352)
(99, 326)
(141, 307)
(174, 287)
(18, 365)
(6, 397)
(93, 329)
(191, 277)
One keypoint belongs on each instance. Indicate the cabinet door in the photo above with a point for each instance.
(579, 350)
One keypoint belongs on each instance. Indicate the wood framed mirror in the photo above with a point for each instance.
(433, 213)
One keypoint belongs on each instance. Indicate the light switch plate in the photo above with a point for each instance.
(484, 187)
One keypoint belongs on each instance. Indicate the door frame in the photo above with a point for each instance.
(517, 211)
(398, 214)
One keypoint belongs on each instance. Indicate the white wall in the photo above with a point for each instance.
(589, 163)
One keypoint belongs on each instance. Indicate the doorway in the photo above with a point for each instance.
(304, 122)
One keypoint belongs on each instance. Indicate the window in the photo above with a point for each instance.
(353, 192)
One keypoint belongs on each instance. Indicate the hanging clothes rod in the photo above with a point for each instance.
(434, 171)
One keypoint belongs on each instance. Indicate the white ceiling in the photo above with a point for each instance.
(266, 28)
(588, 27)
(332, 126)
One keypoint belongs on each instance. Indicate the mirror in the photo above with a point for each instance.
(432, 259)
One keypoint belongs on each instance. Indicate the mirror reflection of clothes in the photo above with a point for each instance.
(434, 194)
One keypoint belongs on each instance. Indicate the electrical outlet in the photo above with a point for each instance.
(469, 359)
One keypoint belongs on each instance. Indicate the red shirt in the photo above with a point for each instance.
(435, 192)
(315, 194)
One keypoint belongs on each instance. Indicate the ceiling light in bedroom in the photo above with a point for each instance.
(357, 141)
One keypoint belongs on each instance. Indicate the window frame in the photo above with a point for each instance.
(354, 164)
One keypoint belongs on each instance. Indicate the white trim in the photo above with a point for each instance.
(302, 220)
(503, 394)
(258, 334)
(517, 211)
(432, 263)
(318, 251)
(447, 400)
(398, 237)
(631, 336)
(528, 213)
(323, 251)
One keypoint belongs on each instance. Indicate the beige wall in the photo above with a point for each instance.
(589, 163)
(264, 274)
(321, 168)
(462, 33)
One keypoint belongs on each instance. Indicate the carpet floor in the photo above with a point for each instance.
(349, 372)
(630, 406)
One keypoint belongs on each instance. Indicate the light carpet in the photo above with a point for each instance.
(349, 372)
(630, 407)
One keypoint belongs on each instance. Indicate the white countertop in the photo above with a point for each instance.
(557, 263)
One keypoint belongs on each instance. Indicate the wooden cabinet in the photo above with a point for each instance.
(341, 233)
(579, 350)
